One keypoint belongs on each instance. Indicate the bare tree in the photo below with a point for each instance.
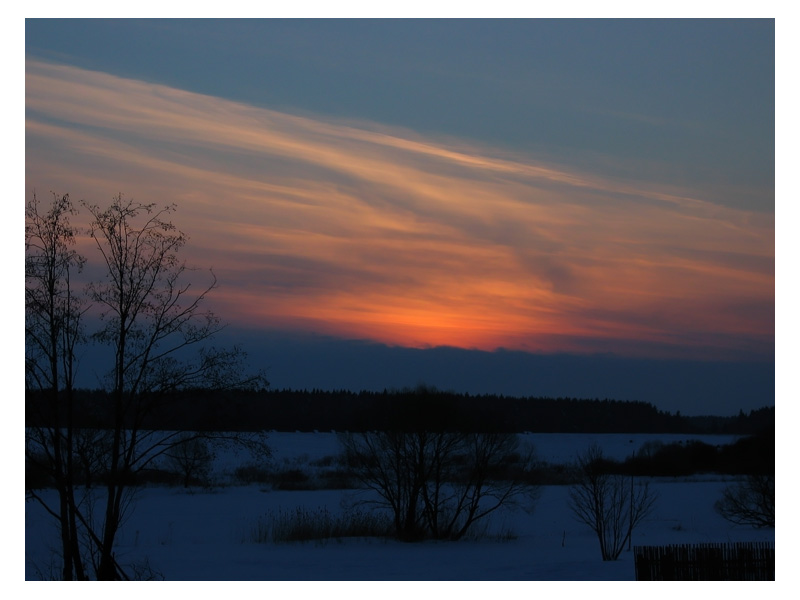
(158, 333)
(191, 457)
(610, 504)
(751, 502)
(438, 484)
(152, 319)
(52, 329)
(392, 464)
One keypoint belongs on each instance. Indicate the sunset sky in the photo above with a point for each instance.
(386, 202)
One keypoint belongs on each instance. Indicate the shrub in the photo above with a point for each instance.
(338, 479)
(439, 484)
(158, 477)
(553, 474)
(751, 502)
(292, 479)
(252, 473)
(325, 461)
(752, 455)
(677, 459)
(608, 502)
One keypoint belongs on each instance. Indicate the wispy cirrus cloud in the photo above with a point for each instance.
(367, 232)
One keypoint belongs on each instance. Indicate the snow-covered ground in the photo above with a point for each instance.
(207, 535)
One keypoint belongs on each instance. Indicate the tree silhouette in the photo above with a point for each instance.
(151, 317)
(439, 483)
(610, 504)
(53, 314)
(751, 502)
(154, 326)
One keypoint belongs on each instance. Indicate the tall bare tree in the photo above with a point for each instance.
(52, 329)
(154, 325)
(609, 503)
(153, 316)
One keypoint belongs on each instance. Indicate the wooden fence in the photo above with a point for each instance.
(706, 562)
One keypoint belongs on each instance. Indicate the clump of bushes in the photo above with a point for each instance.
(753, 455)
(162, 477)
(338, 479)
(296, 478)
(292, 479)
(252, 473)
(545, 473)
(325, 461)
(673, 460)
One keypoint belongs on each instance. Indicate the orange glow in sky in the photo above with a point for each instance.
(368, 233)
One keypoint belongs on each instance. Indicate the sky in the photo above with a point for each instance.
(528, 206)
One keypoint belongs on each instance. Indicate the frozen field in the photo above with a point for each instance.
(207, 535)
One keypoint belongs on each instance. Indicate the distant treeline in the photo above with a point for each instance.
(751, 455)
(407, 409)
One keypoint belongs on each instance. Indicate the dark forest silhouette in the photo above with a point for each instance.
(341, 410)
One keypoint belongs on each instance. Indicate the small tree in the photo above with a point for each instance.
(191, 457)
(610, 504)
(751, 502)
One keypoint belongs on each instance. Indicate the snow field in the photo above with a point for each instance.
(207, 534)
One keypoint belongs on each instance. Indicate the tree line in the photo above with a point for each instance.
(421, 407)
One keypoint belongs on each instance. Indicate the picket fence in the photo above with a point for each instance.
(706, 562)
